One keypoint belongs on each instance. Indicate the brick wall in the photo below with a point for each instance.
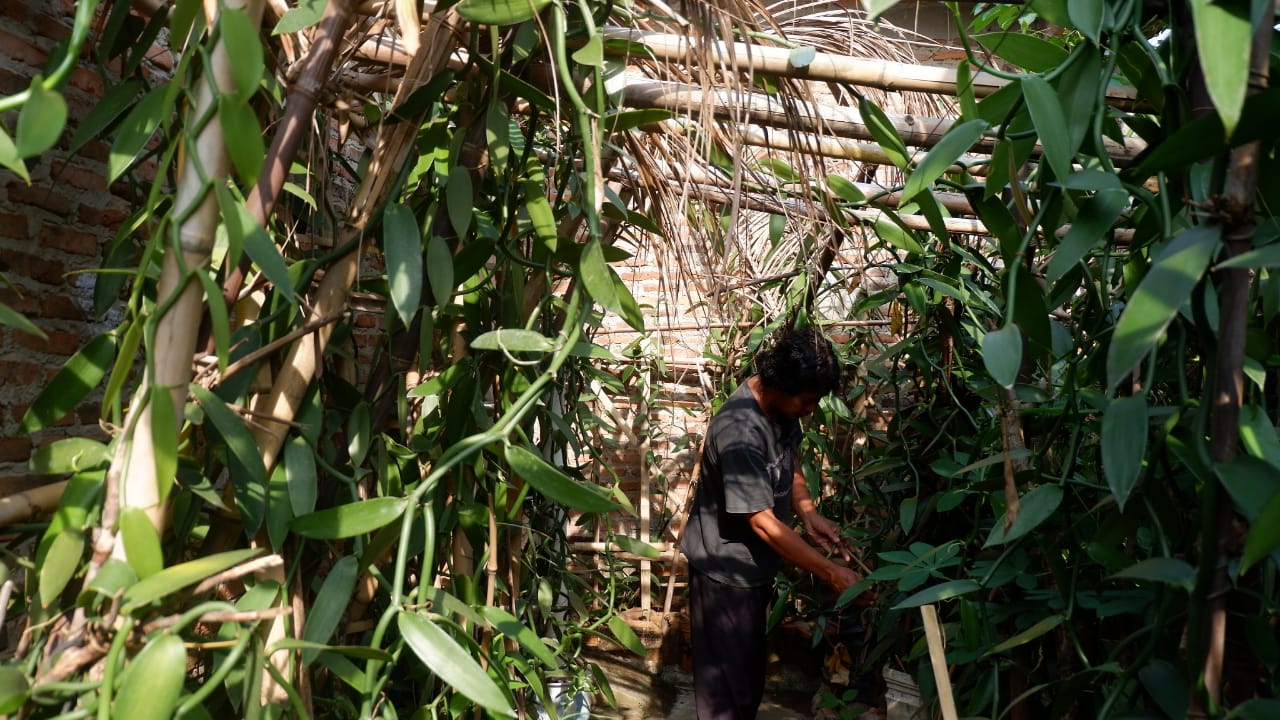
(50, 230)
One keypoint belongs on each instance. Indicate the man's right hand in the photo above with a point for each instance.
(841, 577)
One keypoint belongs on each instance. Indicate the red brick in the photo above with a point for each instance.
(20, 50)
(45, 198)
(52, 28)
(77, 176)
(16, 449)
(13, 225)
(365, 320)
(58, 343)
(90, 81)
(89, 413)
(45, 270)
(68, 239)
(61, 307)
(11, 83)
(108, 218)
(98, 150)
(25, 303)
(15, 373)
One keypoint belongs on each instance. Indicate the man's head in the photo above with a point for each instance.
(802, 366)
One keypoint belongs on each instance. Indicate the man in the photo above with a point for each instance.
(740, 525)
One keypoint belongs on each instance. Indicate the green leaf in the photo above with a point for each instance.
(876, 8)
(1267, 256)
(264, 253)
(245, 144)
(937, 593)
(625, 636)
(15, 688)
(1078, 88)
(141, 542)
(617, 121)
(1175, 271)
(1224, 38)
(113, 577)
(60, 564)
(77, 378)
(164, 438)
(300, 473)
(306, 14)
(592, 51)
(1026, 636)
(1033, 509)
(241, 37)
(10, 158)
(597, 276)
(41, 120)
(514, 340)
(1169, 571)
(801, 57)
(136, 130)
(845, 190)
(359, 433)
(897, 236)
(1258, 435)
(279, 507)
(69, 455)
(331, 603)
(153, 680)
(402, 245)
(884, 132)
(1124, 444)
(460, 200)
(248, 474)
(351, 519)
(1050, 120)
(172, 579)
(451, 663)
(557, 486)
(1091, 227)
(1256, 709)
(500, 12)
(1264, 534)
(1087, 16)
(440, 270)
(113, 103)
(1251, 482)
(507, 624)
(955, 143)
(1002, 354)
(363, 652)
(1025, 50)
(637, 547)
(15, 319)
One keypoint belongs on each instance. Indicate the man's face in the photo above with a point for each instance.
(794, 407)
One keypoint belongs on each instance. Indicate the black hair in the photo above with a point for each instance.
(800, 362)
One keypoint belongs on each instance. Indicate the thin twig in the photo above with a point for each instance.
(239, 571)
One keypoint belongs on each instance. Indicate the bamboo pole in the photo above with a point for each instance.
(818, 118)
(177, 329)
(1239, 228)
(938, 660)
(822, 66)
(30, 503)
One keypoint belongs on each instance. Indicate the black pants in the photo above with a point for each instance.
(729, 652)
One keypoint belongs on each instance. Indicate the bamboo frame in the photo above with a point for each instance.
(826, 67)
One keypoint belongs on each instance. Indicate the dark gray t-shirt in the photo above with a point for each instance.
(747, 466)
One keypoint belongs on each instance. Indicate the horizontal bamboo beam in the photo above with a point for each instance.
(818, 118)
(826, 67)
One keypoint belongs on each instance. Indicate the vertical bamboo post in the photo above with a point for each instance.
(938, 659)
(175, 337)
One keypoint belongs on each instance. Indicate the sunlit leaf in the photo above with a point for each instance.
(625, 636)
(245, 144)
(351, 519)
(15, 688)
(172, 579)
(500, 12)
(882, 129)
(1124, 444)
(141, 542)
(306, 14)
(164, 438)
(556, 485)
(876, 8)
(801, 57)
(897, 236)
(300, 472)
(41, 120)
(77, 378)
(241, 37)
(153, 680)
(845, 189)
(514, 340)
(507, 624)
(451, 663)
(10, 158)
(591, 53)
(68, 455)
(60, 564)
(1224, 38)
(260, 248)
(1175, 270)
